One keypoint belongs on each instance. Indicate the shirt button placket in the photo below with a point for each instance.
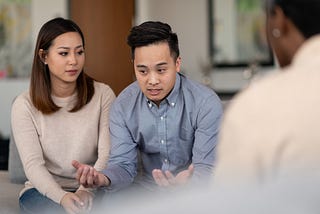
(163, 149)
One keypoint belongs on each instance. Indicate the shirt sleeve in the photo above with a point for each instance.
(26, 137)
(122, 165)
(206, 134)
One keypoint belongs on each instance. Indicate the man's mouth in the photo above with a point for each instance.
(154, 92)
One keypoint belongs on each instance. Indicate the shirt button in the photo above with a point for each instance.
(166, 160)
(161, 118)
(173, 104)
(162, 141)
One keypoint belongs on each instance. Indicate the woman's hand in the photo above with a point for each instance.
(72, 203)
(88, 176)
(87, 198)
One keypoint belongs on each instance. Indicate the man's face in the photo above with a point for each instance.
(155, 70)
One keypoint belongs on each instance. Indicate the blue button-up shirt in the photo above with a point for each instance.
(181, 131)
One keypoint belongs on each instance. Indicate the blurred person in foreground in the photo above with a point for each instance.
(270, 132)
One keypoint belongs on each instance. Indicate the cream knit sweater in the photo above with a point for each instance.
(48, 143)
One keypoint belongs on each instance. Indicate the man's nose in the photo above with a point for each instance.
(153, 78)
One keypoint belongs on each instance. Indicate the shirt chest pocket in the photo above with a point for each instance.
(186, 134)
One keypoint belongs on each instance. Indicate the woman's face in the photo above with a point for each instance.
(65, 58)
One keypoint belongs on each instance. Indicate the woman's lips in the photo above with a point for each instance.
(72, 72)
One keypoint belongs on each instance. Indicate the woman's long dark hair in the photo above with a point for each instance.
(40, 86)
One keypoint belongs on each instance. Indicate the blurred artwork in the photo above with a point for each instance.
(15, 38)
(251, 31)
(239, 33)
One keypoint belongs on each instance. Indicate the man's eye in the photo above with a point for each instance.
(143, 71)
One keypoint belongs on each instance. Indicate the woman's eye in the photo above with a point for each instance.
(63, 53)
(81, 52)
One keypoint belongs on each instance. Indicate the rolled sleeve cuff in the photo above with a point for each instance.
(119, 178)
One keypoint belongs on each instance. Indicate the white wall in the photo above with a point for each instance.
(42, 11)
(9, 89)
(190, 20)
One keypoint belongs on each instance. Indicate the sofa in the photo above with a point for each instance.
(9, 195)
(11, 182)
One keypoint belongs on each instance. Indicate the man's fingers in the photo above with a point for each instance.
(170, 177)
(191, 168)
(76, 164)
(156, 176)
(160, 178)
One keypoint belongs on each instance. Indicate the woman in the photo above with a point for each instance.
(271, 130)
(64, 116)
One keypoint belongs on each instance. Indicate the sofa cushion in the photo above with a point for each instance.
(15, 168)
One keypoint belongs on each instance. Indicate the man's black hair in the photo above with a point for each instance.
(152, 32)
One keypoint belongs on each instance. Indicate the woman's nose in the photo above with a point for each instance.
(72, 59)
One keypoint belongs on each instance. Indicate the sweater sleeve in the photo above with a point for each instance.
(107, 97)
(25, 133)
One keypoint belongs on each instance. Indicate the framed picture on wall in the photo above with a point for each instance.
(238, 33)
(20, 21)
(15, 38)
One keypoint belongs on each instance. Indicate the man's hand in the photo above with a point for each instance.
(88, 176)
(71, 203)
(168, 179)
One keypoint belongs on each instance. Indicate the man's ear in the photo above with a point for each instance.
(178, 64)
(43, 55)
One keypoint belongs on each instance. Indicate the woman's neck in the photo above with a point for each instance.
(63, 90)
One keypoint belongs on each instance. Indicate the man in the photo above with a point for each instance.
(165, 120)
